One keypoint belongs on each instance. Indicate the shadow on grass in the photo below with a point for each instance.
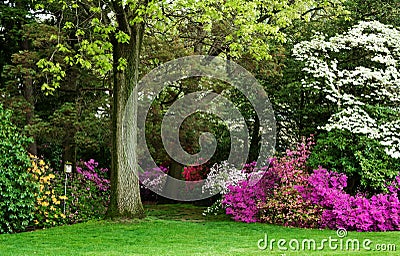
(181, 212)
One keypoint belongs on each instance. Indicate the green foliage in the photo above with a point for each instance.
(86, 196)
(192, 126)
(298, 111)
(13, 14)
(77, 113)
(85, 124)
(362, 159)
(22, 77)
(246, 32)
(385, 11)
(55, 70)
(16, 186)
(235, 28)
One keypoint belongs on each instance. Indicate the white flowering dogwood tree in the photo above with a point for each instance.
(359, 73)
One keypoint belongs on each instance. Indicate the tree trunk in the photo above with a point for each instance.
(125, 199)
(175, 171)
(255, 141)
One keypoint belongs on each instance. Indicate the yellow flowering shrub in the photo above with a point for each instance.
(49, 205)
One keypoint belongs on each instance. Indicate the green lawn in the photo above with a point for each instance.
(177, 230)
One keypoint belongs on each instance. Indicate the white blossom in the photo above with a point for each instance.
(221, 176)
(378, 81)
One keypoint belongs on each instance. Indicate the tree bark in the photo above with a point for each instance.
(125, 199)
(255, 141)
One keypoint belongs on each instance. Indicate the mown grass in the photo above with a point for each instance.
(177, 230)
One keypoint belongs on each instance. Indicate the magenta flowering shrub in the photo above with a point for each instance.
(322, 184)
(91, 172)
(394, 186)
(242, 199)
(87, 192)
(288, 195)
(273, 199)
(381, 212)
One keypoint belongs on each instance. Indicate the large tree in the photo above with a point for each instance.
(113, 33)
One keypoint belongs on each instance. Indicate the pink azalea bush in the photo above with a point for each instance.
(273, 198)
(288, 195)
(381, 212)
(242, 199)
(88, 192)
(92, 172)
